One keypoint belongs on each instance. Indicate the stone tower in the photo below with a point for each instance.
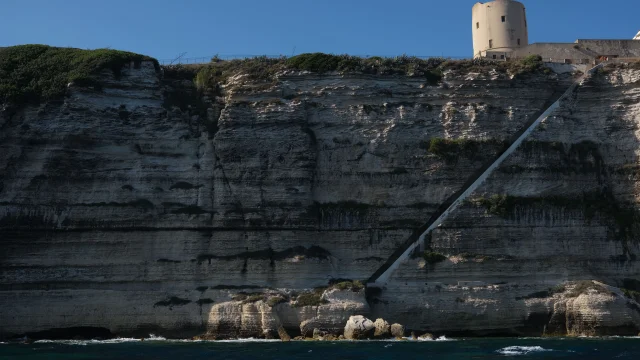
(499, 27)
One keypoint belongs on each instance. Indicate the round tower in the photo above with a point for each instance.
(499, 27)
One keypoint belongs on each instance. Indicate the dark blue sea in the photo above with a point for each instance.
(493, 348)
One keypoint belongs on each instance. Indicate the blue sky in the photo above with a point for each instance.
(164, 28)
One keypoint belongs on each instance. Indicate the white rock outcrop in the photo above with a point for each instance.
(359, 327)
(397, 331)
(382, 329)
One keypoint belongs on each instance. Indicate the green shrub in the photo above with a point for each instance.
(253, 298)
(216, 73)
(180, 71)
(275, 300)
(452, 149)
(560, 288)
(528, 65)
(632, 294)
(35, 73)
(500, 205)
(355, 285)
(444, 148)
(319, 62)
(433, 257)
(313, 298)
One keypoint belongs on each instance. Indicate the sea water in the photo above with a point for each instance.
(489, 348)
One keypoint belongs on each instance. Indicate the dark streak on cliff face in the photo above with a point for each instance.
(313, 252)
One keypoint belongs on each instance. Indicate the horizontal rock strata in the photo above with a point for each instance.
(130, 210)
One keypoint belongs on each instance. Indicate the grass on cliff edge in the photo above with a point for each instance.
(35, 73)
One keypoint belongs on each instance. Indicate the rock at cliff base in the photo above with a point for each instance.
(397, 331)
(317, 334)
(358, 327)
(330, 337)
(382, 329)
(284, 336)
(307, 328)
(426, 336)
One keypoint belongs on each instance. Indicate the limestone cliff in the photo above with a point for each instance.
(149, 206)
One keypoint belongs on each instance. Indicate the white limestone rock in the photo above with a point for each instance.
(382, 329)
(397, 331)
(358, 327)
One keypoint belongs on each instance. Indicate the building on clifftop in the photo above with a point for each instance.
(500, 31)
(499, 27)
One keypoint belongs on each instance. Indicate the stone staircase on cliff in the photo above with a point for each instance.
(416, 240)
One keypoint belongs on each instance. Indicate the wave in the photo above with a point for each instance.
(521, 350)
(87, 342)
(444, 338)
(248, 340)
(151, 337)
(441, 338)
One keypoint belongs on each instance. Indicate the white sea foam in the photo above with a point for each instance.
(88, 342)
(249, 340)
(444, 338)
(521, 350)
(153, 337)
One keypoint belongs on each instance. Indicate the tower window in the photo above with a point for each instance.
(518, 42)
(477, 25)
(504, 18)
(495, 56)
(490, 44)
(502, 57)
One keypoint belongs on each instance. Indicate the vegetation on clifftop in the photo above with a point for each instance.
(210, 76)
(35, 73)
